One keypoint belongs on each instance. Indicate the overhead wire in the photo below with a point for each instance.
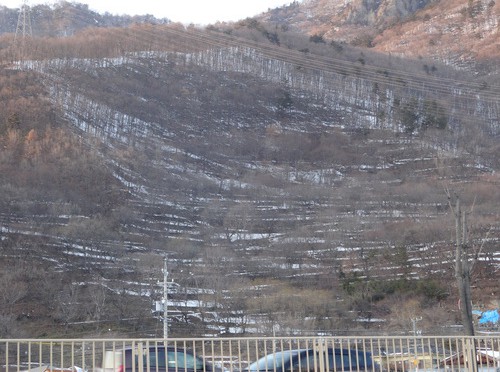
(308, 60)
(442, 89)
(439, 87)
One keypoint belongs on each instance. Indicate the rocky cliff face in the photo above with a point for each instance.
(345, 20)
(463, 33)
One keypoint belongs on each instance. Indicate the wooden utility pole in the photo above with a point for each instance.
(463, 269)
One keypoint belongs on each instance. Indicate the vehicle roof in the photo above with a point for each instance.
(155, 346)
(330, 350)
(360, 355)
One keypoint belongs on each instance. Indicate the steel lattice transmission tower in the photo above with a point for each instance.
(23, 28)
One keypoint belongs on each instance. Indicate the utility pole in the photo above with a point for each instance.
(161, 307)
(23, 28)
(463, 271)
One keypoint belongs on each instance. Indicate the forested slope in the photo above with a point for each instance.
(290, 178)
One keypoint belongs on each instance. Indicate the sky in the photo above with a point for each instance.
(200, 12)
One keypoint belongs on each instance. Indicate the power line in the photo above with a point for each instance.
(393, 75)
(440, 90)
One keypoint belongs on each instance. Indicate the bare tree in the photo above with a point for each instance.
(12, 290)
(97, 301)
(68, 306)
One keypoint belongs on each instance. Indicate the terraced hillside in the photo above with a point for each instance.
(299, 189)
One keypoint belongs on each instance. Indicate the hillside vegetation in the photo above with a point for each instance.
(294, 185)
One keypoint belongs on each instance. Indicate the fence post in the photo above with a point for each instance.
(321, 352)
(140, 357)
(470, 354)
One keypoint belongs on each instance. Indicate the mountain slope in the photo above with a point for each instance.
(259, 170)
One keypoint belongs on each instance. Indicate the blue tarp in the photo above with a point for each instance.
(491, 316)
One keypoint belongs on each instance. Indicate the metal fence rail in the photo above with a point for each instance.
(320, 354)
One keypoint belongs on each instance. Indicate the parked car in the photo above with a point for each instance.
(301, 360)
(154, 358)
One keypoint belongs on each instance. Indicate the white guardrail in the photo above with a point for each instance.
(285, 354)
